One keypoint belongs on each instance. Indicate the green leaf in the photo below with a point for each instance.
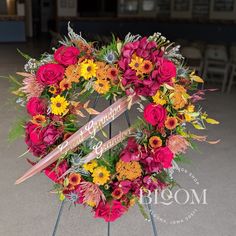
(27, 57)
(17, 130)
(212, 121)
(142, 210)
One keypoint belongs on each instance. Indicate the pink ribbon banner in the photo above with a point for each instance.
(86, 131)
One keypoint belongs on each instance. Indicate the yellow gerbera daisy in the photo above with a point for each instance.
(90, 166)
(101, 175)
(158, 98)
(88, 69)
(102, 86)
(58, 105)
(136, 63)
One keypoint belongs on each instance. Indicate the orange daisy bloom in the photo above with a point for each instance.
(72, 73)
(74, 179)
(54, 89)
(65, 84)
(101, 73)
(112, 73)
(117, 193)
(155, 142)
(171, 123)
(146, 67)
(101, 86)
(39, 120)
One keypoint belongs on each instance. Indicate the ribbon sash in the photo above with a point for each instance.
(86, 131)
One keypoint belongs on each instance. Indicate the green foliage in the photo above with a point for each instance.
(182, 159)
(27, 57)
(17, 130)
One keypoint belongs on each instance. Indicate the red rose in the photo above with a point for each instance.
(164, 156)
(34, 139)
(155, 114)
(51, 134)
(53, 173)
(50, 74)
(110, 211)
(166, 71)
(36, 106)
(66, 55)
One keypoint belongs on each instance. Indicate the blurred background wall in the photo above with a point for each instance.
(206, 29)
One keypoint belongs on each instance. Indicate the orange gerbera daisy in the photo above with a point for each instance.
(39, 120)
(54, 89)
(101, 64)
(155, 142)
(146, 67)
(101, 73)
(112, 73)
(101, 86)
(171, 123)
(74, 179)
(72, 73)
(117, 193)
(65, 84)
(179, 97)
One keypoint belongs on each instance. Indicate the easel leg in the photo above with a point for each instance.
(63, 202)
(58, 218)
(149, 206)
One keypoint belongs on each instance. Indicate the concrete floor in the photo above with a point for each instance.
(29, 209)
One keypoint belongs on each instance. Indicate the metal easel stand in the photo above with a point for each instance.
(108, 224)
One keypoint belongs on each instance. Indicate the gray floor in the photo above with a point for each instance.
(30, 209)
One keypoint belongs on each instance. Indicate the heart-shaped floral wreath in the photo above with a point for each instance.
(148, 71)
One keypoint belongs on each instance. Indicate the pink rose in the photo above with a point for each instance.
(66, 55)
(36, 106)
(110, 211)
(49, 74)
(155, 114)
(55, 174)
(166, 71)
(51, 135)
(164, 156)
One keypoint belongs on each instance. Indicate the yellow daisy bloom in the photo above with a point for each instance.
(101, 175)
(91, 203)
(90, 166)
(158, 98)
(58, 105)
(88, 69)
(188, 117)
(136, 63)
(102, 86)
(190, 108)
